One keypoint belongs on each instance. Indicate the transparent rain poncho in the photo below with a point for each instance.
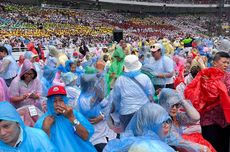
(89, 101)
(168, 98)
(47, 79)
(143, 129)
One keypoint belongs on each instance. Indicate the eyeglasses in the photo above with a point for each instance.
(177, 105)
(166, 122)
(31, 74)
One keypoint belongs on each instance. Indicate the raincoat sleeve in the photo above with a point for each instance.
(38, 87)
(4, 65)
(84, 122)
(116, 96)
(14, 88)
(40, 140)
(168, 65)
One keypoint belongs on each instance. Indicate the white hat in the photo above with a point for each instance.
(132, 63)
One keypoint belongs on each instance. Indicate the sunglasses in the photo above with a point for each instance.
(177, 105)
(166, 122)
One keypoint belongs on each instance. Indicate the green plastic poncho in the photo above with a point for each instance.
(116, 67)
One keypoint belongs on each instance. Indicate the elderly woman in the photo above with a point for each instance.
(150, 125)
(67, 128)
(90, 105)
(26, 89)
(171, 101)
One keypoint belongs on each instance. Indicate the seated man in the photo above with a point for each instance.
(15, 136)
(68, 129)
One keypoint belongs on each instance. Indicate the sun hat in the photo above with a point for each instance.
(132, 63)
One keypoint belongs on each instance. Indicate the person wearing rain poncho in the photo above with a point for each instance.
(67, 128)
(26, 88)
(171, 101)
(145, 133)
(116, 67)
(15, 136)
(9, 66)
(73, 92)
(91, 106)
(129, 87)
(47, 79)
(160, 67)
(55, 57)
(33, 58)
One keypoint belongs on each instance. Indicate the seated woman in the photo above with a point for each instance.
(90, 105)
(171, 101)
(26, 89)
(150, 125)
(67, 128)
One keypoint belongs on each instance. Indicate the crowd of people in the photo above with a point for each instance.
(183, 1)
(88, 93)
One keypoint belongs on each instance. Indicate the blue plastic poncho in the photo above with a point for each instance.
(68, 64)
(169, 97)
(73, 92)
(33, 139)
(88, 102)
(47, 79)
(143, 128)
(137, 144)
(62, 133)
(148, 119)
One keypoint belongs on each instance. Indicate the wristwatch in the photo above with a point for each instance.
(76, 122)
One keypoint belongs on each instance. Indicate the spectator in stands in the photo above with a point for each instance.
(171, 101)
(9, 67)
(67, 128)
(215, 129)
(162, 68)
(129, 87)
(15, 136)
(26, 88)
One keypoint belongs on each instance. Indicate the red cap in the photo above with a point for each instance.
(56, 90)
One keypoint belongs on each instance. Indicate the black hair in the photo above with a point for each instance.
(35, 75)
(4, 49)
(219, 55)
(194, 71)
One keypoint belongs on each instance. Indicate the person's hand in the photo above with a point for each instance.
(34, 96)
(25, 96)
(65, 110)
(96, 120)
(158, 91)
(44, 106)
(48, 122)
